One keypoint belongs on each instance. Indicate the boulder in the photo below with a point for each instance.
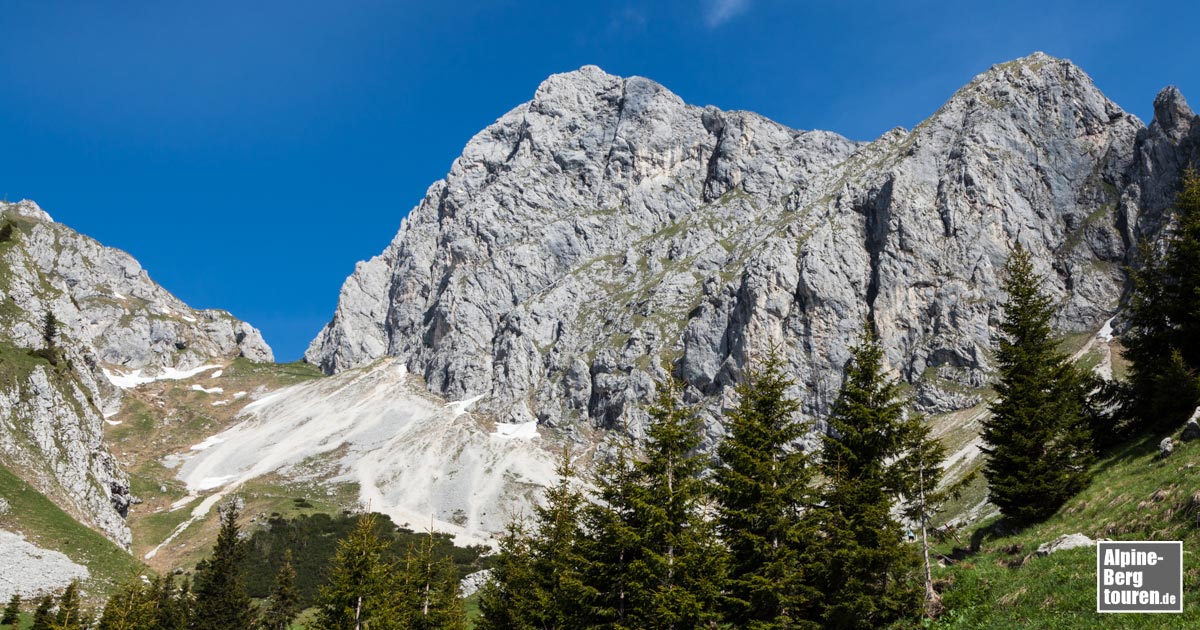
(1064, 542)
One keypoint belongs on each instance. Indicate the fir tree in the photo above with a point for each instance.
(50, 330)
(428, 592)
(510, 599)
(221, 602)
(556, 552)
(870, 578)
(43, 615)
(611, 546)
(1039, 448)
(763, 495)
(12, 611)
(285, 600)
(1163, 342)
(70, 615)
(679, 558)
(171, 604)
(921, 474)
(359, 592)
(129, 608)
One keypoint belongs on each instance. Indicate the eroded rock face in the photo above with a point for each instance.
(109, 314)
(606, 234)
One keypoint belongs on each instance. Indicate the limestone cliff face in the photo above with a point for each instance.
(110, 317)
(606, 233)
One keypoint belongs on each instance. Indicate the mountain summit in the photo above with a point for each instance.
(605, 234)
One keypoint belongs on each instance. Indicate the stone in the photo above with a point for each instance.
(472, 582)
(1191, 430)
(1166, 447)
(606, 234)
(1064, 542)
(111, 315)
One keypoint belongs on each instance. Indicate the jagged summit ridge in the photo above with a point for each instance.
(606, 233)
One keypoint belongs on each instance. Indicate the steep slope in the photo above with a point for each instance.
(111, 318)
(606, 234)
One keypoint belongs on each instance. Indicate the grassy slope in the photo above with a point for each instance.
(1135, 496)
(47, 526)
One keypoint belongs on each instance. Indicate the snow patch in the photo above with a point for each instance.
(522, 431)
(217, 374)
(188, 318)
(209, 442)
(112, 423)
(239, 395)
(128, 380)
(220, 403)
(207, 390)
(1106, 331)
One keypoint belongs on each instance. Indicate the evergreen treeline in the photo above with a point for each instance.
(773, 538)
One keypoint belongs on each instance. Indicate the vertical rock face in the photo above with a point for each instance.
(109, 315)
(606, 234)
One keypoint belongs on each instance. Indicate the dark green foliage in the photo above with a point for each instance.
(1163, 342)
(13, 609)
(870, 576)
(361, 583)
(537, 581)
(285, 600)
(763, 494)
(70, 614)
(6, 233)
(427, 592)
(221, 602)
(50, 330)
(1039, 449)
(172, 604)
(652, 557)
(43, 616)
(131, 607)
(313, 541)
(512, 598)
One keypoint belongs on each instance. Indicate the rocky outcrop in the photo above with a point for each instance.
(109, 315)
(606, 234)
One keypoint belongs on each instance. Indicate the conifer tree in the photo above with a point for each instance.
(537, 582)
(510, 600)
(285, 599)
(359, 593)
(1163, 342)
(870, 578)
(763, 496)
(920, 473)
(680, 556)
(171, 604)
(43, 615)
(129, 608)
(12, 611)
(428, 591)
(221, 602)
(1038, 443)
(70, 615)
(612, 543)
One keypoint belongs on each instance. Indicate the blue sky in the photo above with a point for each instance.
(249, 153)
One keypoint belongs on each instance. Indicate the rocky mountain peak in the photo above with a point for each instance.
(1172, 115)
(606, 234)
(25, 208)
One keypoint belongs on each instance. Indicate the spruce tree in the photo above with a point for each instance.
(285, 599)
(612, 543)
(1038, 443)
(359, 593)
(555, 552)
(70, 614)
(221, 602)
(870, 578)
(129, 608)
(920, 474)
(1163, 341)
(428, 591)
(510, 600)
(679, 561)
(171, 604)
(763, 491)
(12, 611)
(43, 615)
